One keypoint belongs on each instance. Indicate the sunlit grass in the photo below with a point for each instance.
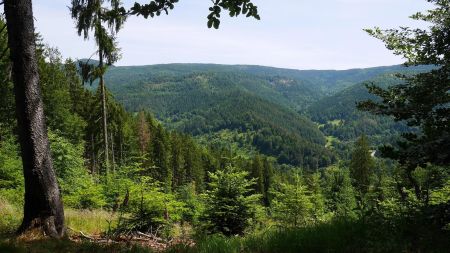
(10, 217)
(92, 222)
(89, 222)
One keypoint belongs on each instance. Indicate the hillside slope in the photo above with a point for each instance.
(259, 107)
(343, 123)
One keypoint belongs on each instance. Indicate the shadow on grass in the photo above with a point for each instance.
(65, 246)
(336, 236)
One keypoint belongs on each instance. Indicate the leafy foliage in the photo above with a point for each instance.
(235, 7)
(77, 186)
(423, 100)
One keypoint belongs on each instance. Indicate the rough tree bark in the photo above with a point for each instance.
(43, 207)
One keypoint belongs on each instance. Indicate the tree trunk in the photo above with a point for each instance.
(105, 123)
(121, 150)
(93, 163)
(112, 153)
(43, 206)
(414, 183)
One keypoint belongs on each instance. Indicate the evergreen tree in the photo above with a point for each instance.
(193, 166)
(316, 196)
(7, 116)
(160, 158)
(93, 15)
(340, 195)
(177, 161)
(57, 90)
(143, 132)
(268, 180)
(230, 206)
(291, 204)
(257, 172)
(362, 165)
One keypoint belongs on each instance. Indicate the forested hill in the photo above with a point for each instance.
(332, 81)
(296, 89)
(343, 123)
(251, 107)
(204, 103)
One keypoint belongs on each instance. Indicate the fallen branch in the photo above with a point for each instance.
(83, 235)
(150, 236)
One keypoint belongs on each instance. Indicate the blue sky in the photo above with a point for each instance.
(301, 34)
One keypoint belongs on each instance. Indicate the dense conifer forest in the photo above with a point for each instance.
(221, 158)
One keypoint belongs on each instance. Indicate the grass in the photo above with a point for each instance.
(213, 243)
(10, 217)
(336, 236)
(90, 222)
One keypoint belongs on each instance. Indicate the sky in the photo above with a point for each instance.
(299, 34)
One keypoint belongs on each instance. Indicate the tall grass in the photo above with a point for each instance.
(335, 236)
(339, 236)
(90, 222)
(213, 243)
(10, 217)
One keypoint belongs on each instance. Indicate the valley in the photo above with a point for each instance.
(276, 110)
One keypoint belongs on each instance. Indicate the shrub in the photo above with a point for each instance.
(151, 207)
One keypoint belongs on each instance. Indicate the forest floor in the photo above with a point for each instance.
(86, 232)
(66, 246)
